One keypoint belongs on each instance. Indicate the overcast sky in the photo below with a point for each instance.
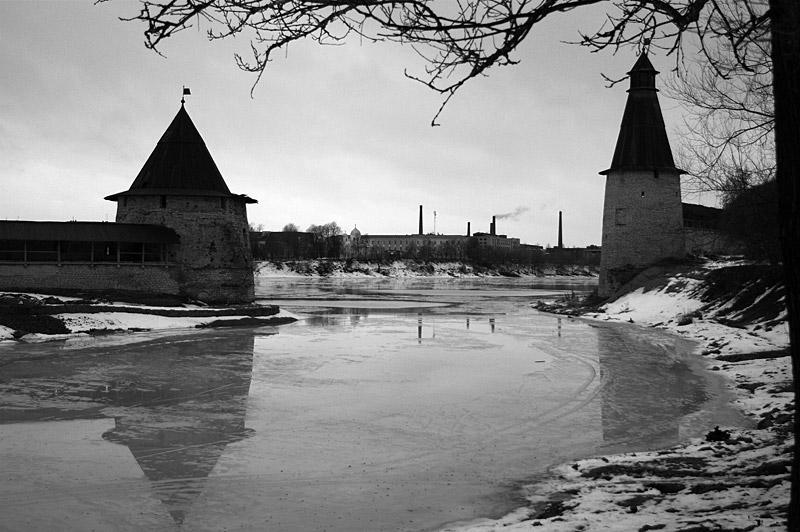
(332, 133)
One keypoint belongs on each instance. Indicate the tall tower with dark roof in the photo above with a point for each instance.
(180, 187)
(642, 214)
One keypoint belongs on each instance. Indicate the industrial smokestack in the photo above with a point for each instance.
(560, 235)
(494, 226)
(420, 219)
(469, 233)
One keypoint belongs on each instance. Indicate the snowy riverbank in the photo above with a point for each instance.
(401, 269)
(39, 317)
(738, 482)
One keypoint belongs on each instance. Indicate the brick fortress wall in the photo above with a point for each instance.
(151, 279)
(214, 258)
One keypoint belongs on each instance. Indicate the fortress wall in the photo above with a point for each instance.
(152, 279)
(702, 241)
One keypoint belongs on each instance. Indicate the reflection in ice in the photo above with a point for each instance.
(178, 434)
(176, 404)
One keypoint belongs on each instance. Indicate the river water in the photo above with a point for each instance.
(391, 405)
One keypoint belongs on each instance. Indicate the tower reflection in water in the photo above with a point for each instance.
(178, 409)
(647, 388)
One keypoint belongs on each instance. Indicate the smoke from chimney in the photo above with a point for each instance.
(513, 215)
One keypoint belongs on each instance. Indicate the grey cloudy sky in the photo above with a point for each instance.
(332, 133)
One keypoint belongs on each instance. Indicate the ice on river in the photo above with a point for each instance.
(353, 418)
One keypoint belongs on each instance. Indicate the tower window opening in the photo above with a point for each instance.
(642, 193)
(620, 216)
(163, 202)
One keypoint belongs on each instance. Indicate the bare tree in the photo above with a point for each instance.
(462, 39)
(290, 228)
(727, 92)
(325, 230)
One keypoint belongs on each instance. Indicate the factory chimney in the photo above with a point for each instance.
(468, 230)
(560, 235)
(420, 219)
(493, 230)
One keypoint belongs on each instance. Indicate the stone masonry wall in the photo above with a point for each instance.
(137, 278)
(642, 224)
(701, 241)
(214, 252)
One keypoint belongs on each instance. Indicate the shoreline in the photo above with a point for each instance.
(731, 479)
(410, 268)
(26, 317)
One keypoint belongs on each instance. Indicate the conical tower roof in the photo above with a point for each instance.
(180, 164)
(642, 143)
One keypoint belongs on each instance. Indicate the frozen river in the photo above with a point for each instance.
(389, 406)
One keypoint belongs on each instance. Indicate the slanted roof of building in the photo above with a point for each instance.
(180, 165)
(642, 143)
(86, 232)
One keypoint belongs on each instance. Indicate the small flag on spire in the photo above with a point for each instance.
(186, 92)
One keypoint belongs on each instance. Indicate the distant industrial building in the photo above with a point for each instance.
(479, 246)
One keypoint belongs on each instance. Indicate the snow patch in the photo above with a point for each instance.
(6, 333)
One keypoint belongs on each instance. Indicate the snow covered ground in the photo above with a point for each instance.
(738, 483)
(83, 323)
(80, 323)
(401, 269)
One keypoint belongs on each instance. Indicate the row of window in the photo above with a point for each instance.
(222, 202)
(57, 251)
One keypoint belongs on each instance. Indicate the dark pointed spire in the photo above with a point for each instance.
(181, 160)
(642, 143)
(180, 164)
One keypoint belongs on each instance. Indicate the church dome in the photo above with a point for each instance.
(355, 233)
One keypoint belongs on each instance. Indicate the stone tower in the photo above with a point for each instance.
(181, 188)
(642, 213)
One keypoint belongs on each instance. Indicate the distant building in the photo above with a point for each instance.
(179, 230)
(490, 241)
(375, 247)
